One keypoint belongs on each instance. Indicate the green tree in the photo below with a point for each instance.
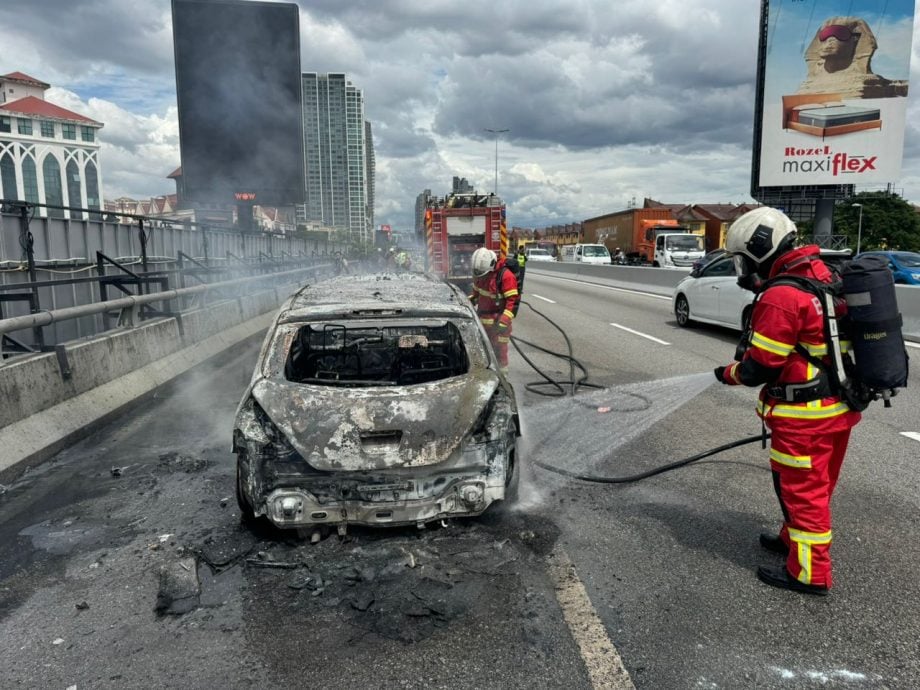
(888, 222)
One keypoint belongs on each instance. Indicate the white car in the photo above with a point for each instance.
(538, 255)
(711, 295)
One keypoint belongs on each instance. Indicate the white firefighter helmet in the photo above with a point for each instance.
(760, 235)
(484, 260)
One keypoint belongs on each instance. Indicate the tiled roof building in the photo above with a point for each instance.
(48, 154)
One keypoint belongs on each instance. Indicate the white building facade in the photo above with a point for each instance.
(48, 154)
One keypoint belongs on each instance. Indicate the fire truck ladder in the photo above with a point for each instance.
(436, 258)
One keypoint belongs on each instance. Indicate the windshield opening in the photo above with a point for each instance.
(907, 259)
(685, 243)
(590, 250)
(335, 354)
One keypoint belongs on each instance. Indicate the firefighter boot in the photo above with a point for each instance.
(780, 577)
(773, 543)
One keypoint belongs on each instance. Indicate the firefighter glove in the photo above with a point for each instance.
(720, 374)
(504, 321)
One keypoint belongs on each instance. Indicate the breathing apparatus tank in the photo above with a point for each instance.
(874, 325)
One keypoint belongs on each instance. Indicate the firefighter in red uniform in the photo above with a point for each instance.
(809, 421)
(495, 294)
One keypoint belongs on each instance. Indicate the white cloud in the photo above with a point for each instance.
(137, 152)
(606, 102)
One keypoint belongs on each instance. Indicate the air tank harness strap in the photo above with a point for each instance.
(818, 388)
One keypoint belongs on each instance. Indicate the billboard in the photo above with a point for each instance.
(239, 97)
(834, 81)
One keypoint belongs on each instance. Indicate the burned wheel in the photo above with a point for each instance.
(247, 514)
(513, 478)
(682, 311)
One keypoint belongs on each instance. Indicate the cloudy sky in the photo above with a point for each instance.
(607, 102)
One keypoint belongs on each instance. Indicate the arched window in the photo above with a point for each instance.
(54, 193)
(29, 180)
(92, 189)
(73, 188)
(8, 177)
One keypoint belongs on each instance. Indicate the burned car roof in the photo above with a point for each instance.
(383, 294)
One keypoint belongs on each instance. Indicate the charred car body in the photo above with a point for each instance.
(376, 400)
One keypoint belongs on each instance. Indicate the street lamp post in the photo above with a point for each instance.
(496, 132)
(859, 228)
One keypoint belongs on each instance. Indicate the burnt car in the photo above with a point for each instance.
(376, 400)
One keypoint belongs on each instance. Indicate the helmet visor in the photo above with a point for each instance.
(742, 265)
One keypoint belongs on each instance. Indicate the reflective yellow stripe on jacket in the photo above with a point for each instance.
(491, 295)
(773, 346)
(813, 410)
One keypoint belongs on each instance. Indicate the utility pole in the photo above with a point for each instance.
(859, 229)
(496, 132)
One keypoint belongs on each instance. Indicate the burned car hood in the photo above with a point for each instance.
(358, 429)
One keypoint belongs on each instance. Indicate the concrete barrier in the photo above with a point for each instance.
(46, 410)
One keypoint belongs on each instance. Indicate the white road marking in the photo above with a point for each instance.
(910, 344)
(640, 334)
(911, 434)
(606, 287)
(602, 661)
(545, 299)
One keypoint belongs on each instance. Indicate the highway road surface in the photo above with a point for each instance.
(648, 584)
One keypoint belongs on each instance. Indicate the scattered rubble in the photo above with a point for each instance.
(81, 606)
(222, 549)
(264, 560)
(398, 584)
(171, 462)
(180, 589)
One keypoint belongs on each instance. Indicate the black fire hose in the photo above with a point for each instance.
(574, 383)
(652, 472)
(557, 390)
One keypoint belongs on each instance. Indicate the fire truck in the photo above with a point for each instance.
(456, 226)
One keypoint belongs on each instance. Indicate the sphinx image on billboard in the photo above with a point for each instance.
(835, 88)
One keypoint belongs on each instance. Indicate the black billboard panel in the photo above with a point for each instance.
(239, 96)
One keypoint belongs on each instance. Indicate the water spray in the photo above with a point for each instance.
(570, 386)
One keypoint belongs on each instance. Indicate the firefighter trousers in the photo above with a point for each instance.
(500, 337)
(805, 470)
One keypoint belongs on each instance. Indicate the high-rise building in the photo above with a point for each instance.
(48, 155)
(462, 186)
(371, 172)
(338, 156)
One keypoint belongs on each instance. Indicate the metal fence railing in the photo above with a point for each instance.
(54, 264)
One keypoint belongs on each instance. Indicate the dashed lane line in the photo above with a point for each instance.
(911, 434)
(545, 299)
(602, 661)
(639, 293)
(910, 344)
(640, 334)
